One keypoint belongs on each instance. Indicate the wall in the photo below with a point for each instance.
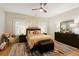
(28, 19)
(2, 21)
(54, 23)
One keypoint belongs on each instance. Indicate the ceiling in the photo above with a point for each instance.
(53, 9)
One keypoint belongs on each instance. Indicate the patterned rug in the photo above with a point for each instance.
(60, 49)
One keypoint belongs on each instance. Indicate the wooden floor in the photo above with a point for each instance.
(73, 53)
(6, 51)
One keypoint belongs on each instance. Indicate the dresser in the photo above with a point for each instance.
(68, 38)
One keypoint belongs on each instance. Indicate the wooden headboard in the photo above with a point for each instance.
(32, 29)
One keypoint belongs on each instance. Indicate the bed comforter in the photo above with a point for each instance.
(34, 39)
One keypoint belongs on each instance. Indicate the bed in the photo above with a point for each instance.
(38, 41)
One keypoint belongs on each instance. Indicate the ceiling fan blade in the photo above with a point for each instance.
(45, 10)
(45, 4)
(36, 9)
(41, 7)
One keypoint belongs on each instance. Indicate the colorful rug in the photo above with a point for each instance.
(60, 49)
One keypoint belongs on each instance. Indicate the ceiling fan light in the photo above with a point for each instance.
(41, 10)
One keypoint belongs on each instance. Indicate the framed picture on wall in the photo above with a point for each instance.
(65, 26)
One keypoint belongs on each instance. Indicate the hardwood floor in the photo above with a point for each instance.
(6, 51)
(60, 49)
(74, 53)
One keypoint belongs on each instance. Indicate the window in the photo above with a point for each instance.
(20, 26)
(43, 27)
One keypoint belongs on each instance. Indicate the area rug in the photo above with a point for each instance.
(18, 50)
(60, 49)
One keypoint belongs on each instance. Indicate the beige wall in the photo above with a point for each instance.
(55, 21)
(2, 22)
(28, 19)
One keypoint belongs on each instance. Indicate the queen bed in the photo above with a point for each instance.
(38, 41)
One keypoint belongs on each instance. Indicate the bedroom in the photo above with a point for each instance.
(16, 18)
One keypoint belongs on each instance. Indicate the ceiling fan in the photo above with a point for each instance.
(41, 8)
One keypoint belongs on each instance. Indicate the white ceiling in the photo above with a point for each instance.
(53, 9)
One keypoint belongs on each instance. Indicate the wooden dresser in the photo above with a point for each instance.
(68, 38)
